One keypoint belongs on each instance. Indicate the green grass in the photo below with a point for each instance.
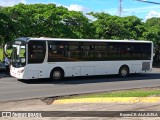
(126, 93)
(1, 54)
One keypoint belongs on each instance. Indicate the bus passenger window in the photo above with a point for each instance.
(36, 51)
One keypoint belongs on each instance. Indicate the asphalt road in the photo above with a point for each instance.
(12, 89)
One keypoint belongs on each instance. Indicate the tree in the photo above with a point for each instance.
(7, 28)
(152, 33)
(115, 27)
(152, 30)
(47, 20)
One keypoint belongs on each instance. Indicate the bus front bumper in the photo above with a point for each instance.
(17, 72)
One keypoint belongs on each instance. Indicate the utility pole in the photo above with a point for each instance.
(120, 8)
(120, 5)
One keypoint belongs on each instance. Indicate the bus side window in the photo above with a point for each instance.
(146, 51)
(57, 51)
(36, 51)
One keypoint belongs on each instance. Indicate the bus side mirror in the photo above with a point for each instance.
(18, 50)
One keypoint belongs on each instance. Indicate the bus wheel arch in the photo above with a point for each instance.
(124, 71)
(57, 73)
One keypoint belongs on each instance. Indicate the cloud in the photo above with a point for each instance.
(11, 2)
(76, 7)
(151, 14)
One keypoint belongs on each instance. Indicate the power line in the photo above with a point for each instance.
(120, 7)
(148, 2)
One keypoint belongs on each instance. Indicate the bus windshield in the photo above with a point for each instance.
(18, 57)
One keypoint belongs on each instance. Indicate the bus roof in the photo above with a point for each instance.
(26, 39)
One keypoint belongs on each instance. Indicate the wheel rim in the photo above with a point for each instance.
(124, 72)
(56, 74)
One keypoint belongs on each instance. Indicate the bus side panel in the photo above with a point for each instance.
(82, 68)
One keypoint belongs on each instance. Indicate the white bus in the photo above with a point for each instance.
(55, 58)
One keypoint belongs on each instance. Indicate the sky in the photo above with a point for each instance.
(130, 7)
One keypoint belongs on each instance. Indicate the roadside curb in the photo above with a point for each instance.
(109, 100)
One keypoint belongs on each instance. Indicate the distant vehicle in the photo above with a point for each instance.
(2, 65)
(55, 58)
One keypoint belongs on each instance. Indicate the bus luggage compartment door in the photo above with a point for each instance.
(33, 74)
(73, 71)
(88, 70)
(136, 68)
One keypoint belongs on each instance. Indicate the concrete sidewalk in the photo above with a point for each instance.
(38, 105)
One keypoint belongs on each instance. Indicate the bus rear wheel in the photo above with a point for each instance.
(124, 71)
(57, 74)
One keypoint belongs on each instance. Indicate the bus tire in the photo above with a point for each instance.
(124, 71)
(57, 74)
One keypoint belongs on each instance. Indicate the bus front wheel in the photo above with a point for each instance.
(57, 74)
(124, 71)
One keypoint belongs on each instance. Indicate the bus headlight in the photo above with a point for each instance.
(20, 71)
